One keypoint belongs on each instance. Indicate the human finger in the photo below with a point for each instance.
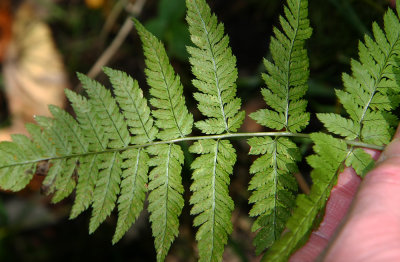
(336, 208)
(372, 230)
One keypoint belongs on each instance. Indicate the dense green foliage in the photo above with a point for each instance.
(118, 149)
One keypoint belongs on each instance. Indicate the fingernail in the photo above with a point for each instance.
(392, 149)
(397, 134)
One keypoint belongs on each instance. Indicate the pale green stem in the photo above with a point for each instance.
(194, 138)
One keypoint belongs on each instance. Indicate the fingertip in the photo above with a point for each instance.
(397, 134)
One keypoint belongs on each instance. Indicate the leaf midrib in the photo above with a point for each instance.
(376, 83)
(288, 66)
(193, 138)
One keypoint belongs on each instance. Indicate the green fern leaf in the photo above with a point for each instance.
(211, 202)
(273, 184)
(15, 176)
(107, 188)
(287, 77)
(369, 96)
(272, 187)
(74, 136)
(174, 120)
(133, 190)
(165, 199)
(214, 66)
(331, 153)
(166, 89)
(137, 114)
(371, 92)
(360, 161)
(108, 114)
(339, 125)
(116, 131)
(61, 183)
(88, 170)
(40, 141)
(134, 106)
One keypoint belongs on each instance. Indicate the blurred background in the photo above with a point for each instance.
(44, 42)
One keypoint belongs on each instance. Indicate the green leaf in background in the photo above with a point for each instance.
(169, 26)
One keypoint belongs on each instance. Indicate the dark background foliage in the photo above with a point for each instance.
(33, 230)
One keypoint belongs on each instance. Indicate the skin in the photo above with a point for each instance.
(362, 219)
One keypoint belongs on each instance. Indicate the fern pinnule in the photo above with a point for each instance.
(287, 75)
(88, 121)
(134, 106)
(171, 112)
(40, 140)
(273, 184)
(165, 198)
(74, 136)
(133, 190)
(107, 111)
(211, 202)
(214, 66)
(61, 183)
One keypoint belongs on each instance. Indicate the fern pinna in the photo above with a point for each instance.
(273, 183)
(118, 149)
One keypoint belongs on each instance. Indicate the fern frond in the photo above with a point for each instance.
(330, 154)
(214, 66)
(273, 184)
(211, 202)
